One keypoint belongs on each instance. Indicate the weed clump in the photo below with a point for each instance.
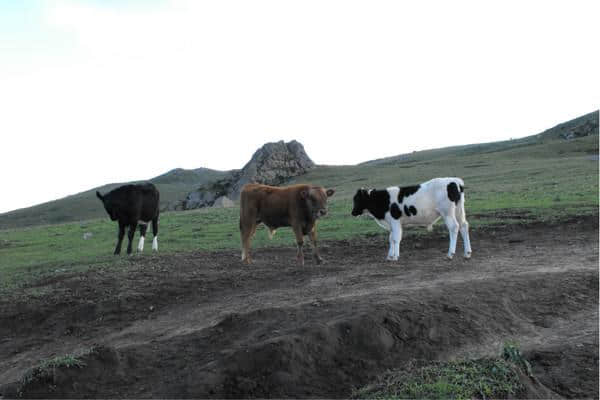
(45, 373)
(483, 378)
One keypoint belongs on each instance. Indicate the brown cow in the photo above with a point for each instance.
(298, 206)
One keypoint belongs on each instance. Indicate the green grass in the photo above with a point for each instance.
(45, 371)
(483, 378)
(66, 361)
(544, 180)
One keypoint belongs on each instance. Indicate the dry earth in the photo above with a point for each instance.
(202, 325)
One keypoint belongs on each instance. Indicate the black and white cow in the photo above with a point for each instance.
(132, 205)
(423, 204)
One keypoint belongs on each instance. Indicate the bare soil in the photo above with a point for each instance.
(204, 325)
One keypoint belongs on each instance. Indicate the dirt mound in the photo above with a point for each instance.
(92, 372)
(570, 368)
(203, 325)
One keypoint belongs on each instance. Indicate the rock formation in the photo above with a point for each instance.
(272, 164)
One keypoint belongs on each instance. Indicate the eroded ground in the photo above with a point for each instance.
(204, 325)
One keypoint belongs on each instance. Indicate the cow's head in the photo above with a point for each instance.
(360, 202)
(315, 199)
(108, 206)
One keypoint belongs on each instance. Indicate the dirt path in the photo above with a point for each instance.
(203, 325)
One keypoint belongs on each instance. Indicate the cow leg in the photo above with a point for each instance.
(464, 228)
(130, 235)
(313, 239)
(300, 243)
(452, 224)
(246, 232)
(120, 238)
(395, 238)
(143, 228)
(464, 232)
(155, 234)
(390, 255)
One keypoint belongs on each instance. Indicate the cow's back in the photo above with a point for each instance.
(137, 201)
(274, 206)
(149, 199)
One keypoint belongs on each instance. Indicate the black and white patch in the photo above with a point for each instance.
(395, 211)
(453, 192)
(377, 202)
(410, 211)
(407, 191)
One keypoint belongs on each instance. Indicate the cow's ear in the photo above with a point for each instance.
(330, 192)
(99, 195)
(303, 193)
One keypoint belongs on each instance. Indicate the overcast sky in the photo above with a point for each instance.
(93, 92)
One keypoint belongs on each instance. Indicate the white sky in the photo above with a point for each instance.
(93, 92)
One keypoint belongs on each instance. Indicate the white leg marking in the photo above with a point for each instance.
(464, 227)
(396, 237)
(141, 244)
(464, 232)
(390, 256)
(452, 225)
(155, 243)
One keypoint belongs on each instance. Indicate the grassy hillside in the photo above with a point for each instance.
(544, 177)
(173, 185)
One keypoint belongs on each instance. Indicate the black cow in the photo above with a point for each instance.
(132, 205)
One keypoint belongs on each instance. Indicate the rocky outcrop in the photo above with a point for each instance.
(223, 202)
(585, 128)
(272, 164)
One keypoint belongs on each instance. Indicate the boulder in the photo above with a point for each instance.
(585, 128)
(272, 164)
(223, 202)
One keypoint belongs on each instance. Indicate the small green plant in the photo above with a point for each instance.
(462, 379)
(67, 361)
(46, 369)
(512, 353)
